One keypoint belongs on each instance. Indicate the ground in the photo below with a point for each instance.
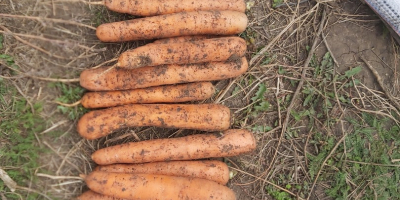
(325, 127)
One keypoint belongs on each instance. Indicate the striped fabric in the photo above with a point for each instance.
(389, 10)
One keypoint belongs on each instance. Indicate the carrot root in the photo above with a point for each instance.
(234, 142)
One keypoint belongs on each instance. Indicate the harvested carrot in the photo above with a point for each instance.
(200, 51)
(157, 7)
(154, 187)
(174, 25)
(90, 195)
(212, 170)
(234, 142)
(190, 38)
(161, 94)
(105, 79)
(99, 123)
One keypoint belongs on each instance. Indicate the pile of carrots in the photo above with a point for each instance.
(194, 46)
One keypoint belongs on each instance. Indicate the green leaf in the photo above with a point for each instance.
(307, 99)
(263, 106)
(260, 93)
(296, 115)
(236, 90)
(281, 70)
(352, 72)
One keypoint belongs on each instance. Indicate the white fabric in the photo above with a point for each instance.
(389, 10)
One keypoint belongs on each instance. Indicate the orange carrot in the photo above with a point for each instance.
(99, 123)
(155, 187)
(157, 7)
(161, 94)
(190, 38)
(212, 170)
(90, 195)
(174, 25)
(200, 51)
(234, 142)
(105, 79)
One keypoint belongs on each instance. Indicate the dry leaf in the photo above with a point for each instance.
(7, 180)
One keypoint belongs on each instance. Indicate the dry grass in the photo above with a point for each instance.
(52, 41)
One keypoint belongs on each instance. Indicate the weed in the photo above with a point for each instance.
(276, 3)
(70, 94)
(278, 195)
(364, 160)
(360, 166)
(261, 104)
(19, 150)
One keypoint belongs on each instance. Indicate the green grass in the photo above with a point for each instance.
(19, 152)
(362, 166)
(70, 94)
(19, 122)
(276, 3)
(364, 160)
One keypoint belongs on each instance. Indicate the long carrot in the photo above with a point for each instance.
(161, 94)
(157, 7)
(190, 38)
(155, 187)
(99, 123)
(234, 142)
(90, 195)
(200, 51)
(212, 170)
(173, 25)
(105, 79)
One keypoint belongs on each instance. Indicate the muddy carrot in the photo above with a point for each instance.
(233, 142)
(174, 25)
(157, 7)
(190, 38)
(161, 94)
(99, 123)
(200, 51)
(106, 79)
(212, 170)
(153, 187)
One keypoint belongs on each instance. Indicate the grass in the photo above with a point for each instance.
(20, 147)
(362, 166)
(70, 94)
(19, 124)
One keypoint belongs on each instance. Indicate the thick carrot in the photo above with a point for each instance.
(212, 170)
(174, 25)
(155, 187)
(90, 195)
(99, 123)
(190, 38)
(105, 79)
(200, 51)
(234, 142)
(157, 7)
(161, 94)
